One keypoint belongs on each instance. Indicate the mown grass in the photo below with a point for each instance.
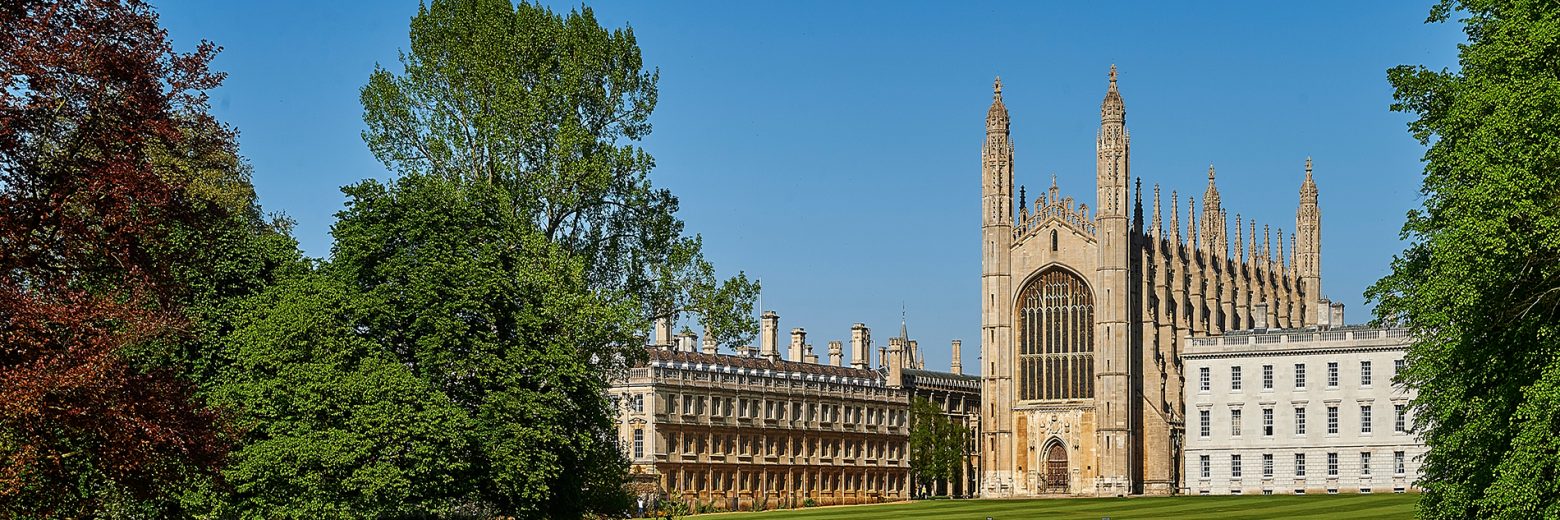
(1349, 507)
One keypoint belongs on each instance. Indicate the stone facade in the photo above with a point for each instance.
(1085, 312)
(1299, 411)
(754, 430)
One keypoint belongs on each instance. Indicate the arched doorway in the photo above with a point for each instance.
(1056, 476)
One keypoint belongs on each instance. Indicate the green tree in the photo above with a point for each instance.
(937, 445)
(1479, 283)
(547, 109)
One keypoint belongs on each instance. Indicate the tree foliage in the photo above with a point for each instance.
(1479, 283)
(937, 444)
(90, 234)
(452, 357)
(547, 109)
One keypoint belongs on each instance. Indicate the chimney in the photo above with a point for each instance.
(1335, 314)
(769, 336)
(896, 370)
(1259, 316)
(808, 355)
(663, 332)
(836, 353)
(686, 341)
(957, 366)
(709, 344)
(1324, 314)
(798, 341)
(914, 352)
(860, 346)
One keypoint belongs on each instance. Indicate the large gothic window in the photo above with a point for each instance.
(1055, 338)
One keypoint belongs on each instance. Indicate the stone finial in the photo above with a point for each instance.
(996, 87)
(1023, 197)
(1210, 172)
(1113, 76)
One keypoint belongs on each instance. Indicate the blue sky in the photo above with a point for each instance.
(832, 149)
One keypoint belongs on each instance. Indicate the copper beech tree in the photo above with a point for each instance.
(87, 251)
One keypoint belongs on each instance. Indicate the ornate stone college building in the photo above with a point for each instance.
(1086, 311)
(755, 430)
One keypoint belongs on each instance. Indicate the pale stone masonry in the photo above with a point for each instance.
(752, 429)
(1085, 312)
(1286, 411)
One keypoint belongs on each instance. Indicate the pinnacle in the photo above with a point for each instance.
(996, 88)
(1210, 172)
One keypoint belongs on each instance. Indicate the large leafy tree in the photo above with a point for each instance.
(86, 90)
(547, 108)
(492, 289)
(1479, 283)
(127, 226)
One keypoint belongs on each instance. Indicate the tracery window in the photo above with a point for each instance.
(1055, 317)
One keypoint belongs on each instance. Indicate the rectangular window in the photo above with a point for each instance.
(1235, 378)
(1267, 422)
(1235, 422)
(1299, 376)
(1207, 467)
(1397, 367)
(1204, 380)
(1398, 465)
(1399, 418)
(1299, 420)
(1365, 463)
(1332, 420)
(1364, 418)
(1267, 377)
(1234, 466)
(1364, 373)
(1332, 464)
(1299, 464)
(639, 443)
(1205, 421)
(1267, 465)
(1332, 374)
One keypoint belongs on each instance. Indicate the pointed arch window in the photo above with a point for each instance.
(1055, 318)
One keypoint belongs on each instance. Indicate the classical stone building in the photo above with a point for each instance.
(1287, 411)
(753, 429)
(1086, 310)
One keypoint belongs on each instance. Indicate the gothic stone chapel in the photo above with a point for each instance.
(1084, 316)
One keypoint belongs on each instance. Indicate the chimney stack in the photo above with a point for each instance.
(663, 332)
(836, 353)
(808, 355)
(798, 340)
(769, 336)
(1324, 314)
(957, 366)
(860, 346)
(1335, 314)
(709, 344)
(1259, 316)
(896, 369)
(686, 341)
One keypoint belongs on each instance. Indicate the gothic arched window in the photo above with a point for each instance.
(1055, 318)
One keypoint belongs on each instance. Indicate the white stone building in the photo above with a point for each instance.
(1298, 411)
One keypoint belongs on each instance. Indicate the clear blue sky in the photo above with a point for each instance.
(832, 149)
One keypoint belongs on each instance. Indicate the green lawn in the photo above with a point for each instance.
(1348, 507)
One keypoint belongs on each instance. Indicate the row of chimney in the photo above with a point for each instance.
(799, 350)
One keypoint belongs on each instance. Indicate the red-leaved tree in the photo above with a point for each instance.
(86, 88)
